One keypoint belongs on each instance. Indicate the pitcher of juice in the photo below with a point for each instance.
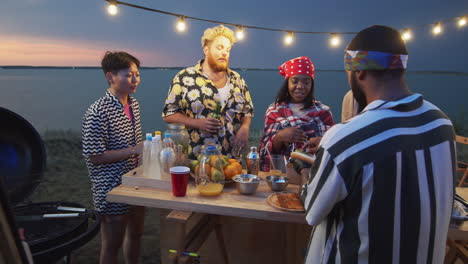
(209, 175)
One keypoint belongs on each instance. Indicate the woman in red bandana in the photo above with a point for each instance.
(295, 120)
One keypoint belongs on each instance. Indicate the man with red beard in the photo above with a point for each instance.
(211, 100)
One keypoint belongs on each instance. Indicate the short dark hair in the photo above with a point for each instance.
(379, 38)
(284, 97)
(117, 60)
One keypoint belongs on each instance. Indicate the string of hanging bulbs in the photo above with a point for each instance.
(334, 41)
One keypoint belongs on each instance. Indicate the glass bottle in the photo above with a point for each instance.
(253, 161)
(217, 114)
(167, 157)
(210, 175)
(180, 136)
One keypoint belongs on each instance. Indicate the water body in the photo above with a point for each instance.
(52, 98)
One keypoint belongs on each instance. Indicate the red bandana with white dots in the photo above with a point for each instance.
(299, 65)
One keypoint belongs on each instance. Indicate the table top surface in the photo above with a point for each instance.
(229, 203)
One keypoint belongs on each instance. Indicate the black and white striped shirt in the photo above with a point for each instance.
(106, 127)
(382, 188)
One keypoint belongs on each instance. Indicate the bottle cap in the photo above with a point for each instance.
(167, 135)
(148, 136)
(253, 149)
(157, 132)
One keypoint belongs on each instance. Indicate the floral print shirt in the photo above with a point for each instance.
(195, 96)
(315, 121)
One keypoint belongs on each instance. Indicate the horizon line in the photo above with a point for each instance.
(6, 67)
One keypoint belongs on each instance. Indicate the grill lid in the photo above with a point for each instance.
(22, 156)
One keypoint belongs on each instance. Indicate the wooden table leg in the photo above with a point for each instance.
(220, 238)
(194, 239)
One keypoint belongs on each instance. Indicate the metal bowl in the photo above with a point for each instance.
(277, 183)
(246, 183)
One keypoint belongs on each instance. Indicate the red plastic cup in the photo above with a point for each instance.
(179, 176)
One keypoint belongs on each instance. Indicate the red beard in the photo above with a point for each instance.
(216, 66)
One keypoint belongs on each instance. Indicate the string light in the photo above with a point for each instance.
(335, 40)
(112, 9)
(461, 22)
(406, 36)
(181, 25)
(289, 38)
(437, 29)
(240, 33)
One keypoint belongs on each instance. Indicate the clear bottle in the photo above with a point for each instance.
(156, 147)
(180, 136)
(253, 161)
(167, 157)
(145, 161)
(210, 175)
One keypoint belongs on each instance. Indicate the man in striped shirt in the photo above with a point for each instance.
(381, 190)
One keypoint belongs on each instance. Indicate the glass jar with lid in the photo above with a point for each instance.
(209, 172)
(180, 136)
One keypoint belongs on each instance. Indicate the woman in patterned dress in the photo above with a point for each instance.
(295, 120)
(111, 145)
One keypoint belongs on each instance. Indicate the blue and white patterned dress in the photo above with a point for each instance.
(106, 127)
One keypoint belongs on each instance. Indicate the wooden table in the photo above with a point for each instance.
(229, 203)
(254, 231)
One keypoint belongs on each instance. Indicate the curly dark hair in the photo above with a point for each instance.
(284, 97)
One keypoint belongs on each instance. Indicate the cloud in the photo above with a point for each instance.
(36, 51)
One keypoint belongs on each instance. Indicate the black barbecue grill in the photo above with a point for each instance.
(52, 229)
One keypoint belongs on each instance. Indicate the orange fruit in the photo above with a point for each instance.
(238, 166)
(232, 160)
(230, 171)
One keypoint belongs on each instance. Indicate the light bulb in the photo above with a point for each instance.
(112, 9)
(289, 39)
(462, 22)
(437, 29)
(335, 41)
(181, 26)
(240, 33)
(406, 35)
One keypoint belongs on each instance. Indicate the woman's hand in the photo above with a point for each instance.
(138, 149)
(292, 135)
(208, 125)
(311, 146)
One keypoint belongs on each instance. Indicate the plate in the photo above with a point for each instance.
(286, 201)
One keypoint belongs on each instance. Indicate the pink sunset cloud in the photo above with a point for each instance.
(35, 51)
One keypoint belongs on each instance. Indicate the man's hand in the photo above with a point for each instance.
(311, 146)
(208, 125)
(241, 140)
(292, 135)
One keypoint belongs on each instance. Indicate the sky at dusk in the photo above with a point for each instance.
(77, 33)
